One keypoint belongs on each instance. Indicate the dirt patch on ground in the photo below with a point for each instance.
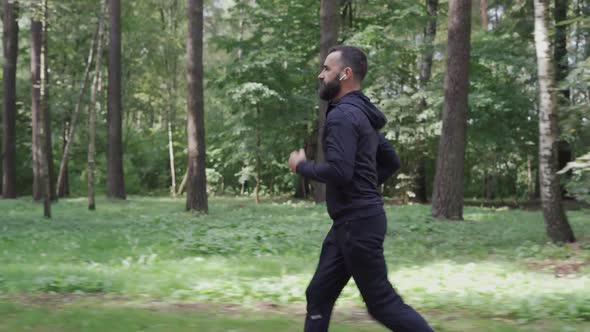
(560, 269)
(59, 300)
(568, 204)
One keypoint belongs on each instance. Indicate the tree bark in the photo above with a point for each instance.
(329, 25)
(94, 105)
(64, 189)
(172, 88)
(419, 186)
(258, 163)
(41, 186)
(484, 14)
(182, 185)
(586, 13)
(10, 47)
(447, 200)
(558, 228)
(45, 103)
(171, 157)
(564, 154)
(115, 174)
(530, 183)
(36, 115)
(196, 198)
(74, 119)
(560, 47)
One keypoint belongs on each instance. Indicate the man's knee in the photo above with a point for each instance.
(311, 293)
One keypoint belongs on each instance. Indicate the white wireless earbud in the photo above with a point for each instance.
(342, 77)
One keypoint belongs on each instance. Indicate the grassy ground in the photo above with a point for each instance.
(495, 269)
(84, 317)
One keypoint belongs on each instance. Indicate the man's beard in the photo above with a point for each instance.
(329, 90)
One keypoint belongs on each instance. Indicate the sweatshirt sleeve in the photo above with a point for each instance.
(341, 145)
(387, 160)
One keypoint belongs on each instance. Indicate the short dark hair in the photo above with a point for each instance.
(354, 58)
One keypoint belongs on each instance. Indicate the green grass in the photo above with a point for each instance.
(81, 317)
(496, 264)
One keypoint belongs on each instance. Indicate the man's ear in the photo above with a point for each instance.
(348, 72)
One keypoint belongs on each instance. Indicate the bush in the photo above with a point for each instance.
(579, 184)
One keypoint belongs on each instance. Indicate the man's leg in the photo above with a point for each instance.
(364, 255)
(330, 277)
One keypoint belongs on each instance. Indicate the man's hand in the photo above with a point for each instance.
(295, 158)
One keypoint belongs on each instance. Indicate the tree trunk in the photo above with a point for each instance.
(196, 198)
(172, 88)
(36, 116)
(171, 154)
(74, 120)
(182, 185)
(64, 189)
(558, 228)
(484, 14)
(560, 47)
(564, 154)
(45, 104)
(258, 154)
(537, 192)
(329, 21)
(10, 47)
(94, 105)
(115, 177)
(586, 13)
(41, 187)
(419, 186)
(530, 183)
(447, 200)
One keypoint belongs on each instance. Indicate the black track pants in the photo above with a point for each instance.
(355, 249)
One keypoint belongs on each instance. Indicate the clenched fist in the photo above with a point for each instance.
(295, 158)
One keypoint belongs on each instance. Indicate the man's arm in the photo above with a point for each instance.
(387, 160)
(341, 145)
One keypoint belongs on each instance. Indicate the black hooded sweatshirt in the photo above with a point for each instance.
(358, 159)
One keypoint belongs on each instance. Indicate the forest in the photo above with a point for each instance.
(182, 115)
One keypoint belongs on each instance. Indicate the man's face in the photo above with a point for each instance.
(329, 77)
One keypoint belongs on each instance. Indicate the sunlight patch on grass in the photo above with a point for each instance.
(496, 289)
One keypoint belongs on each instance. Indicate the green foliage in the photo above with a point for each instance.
(498, 263)
(579, 184)
(261, 66)
(122, 317)
(89, 316)
(70, 284)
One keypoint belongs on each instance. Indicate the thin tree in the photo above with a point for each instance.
(94, 105)
(329, 25)
(447, 199)
(564, 148)
(72, 128)
(484, 14)
(41, 186)
(558, 228)
(115, 178)
(10, 47)
(171, 67)
(560, 47)
(425, 73)
(36, 116)
(196, 198)
(258, 152)
(586, 13)
(45, 101)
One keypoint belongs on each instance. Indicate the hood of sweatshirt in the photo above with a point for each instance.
(362, 102)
